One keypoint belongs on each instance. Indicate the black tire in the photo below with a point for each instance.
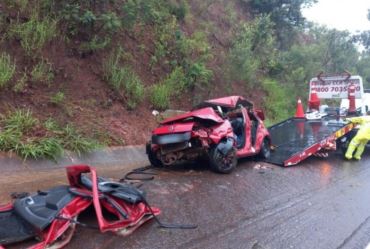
(221, 163)
(265, 151)
(152, 157)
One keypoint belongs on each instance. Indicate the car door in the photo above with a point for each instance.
(248, 148)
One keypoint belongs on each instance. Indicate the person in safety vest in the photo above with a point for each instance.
(359, 142)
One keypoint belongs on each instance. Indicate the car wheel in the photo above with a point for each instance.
(221, 163)
(265, 149)
(152, 157)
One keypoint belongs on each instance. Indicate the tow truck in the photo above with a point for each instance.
(322, 128)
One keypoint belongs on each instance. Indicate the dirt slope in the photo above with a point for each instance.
(92, 106)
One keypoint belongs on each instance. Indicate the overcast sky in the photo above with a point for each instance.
(348, 15)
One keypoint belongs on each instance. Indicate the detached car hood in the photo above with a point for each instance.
(205, 113)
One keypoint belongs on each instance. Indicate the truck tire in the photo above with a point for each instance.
(154, 161)
(221, 163)
(265, 151)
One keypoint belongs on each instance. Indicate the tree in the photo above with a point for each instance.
(364, 37)
(363, 68)
(286, 15)
(320, 49)
(253, 52)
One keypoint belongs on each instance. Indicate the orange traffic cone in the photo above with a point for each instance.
(314, 101)
(299, 112)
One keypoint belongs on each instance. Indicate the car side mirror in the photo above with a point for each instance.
(260, 114)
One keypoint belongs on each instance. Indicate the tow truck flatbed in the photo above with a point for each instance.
(295, 139)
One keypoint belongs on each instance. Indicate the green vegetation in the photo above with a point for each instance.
(253, 53)
(72, 140)
(198, 75)
(42, 73)
(123, 79)
(16, 136)
(160, 96)
(277, 102)
(43, 148)
(7, 69)
(34, 34)
(94, 45)
(286, 16)
(179, 9)
(19, 120)
(58, 98)
(20, 133)
(157, 51)
(21, 83)
(173, 85)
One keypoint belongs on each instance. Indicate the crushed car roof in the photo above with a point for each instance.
(228, 102)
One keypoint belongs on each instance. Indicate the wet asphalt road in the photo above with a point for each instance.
(317, 204)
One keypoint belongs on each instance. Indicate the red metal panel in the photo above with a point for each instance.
(6, 207)
(138, 213)
(174, 128)
(295, 159)
(204, 113)
(52, 236)
(230, 101)
(221, 131)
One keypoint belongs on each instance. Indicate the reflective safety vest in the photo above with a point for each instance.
(364, 129)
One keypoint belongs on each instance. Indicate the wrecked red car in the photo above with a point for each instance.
(50, 217)
(221, 130)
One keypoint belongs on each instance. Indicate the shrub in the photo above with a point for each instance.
(94, 45)
(123, 79)
(177, 80)
(198, 75)
(58, 98)
(51, 125)
(20, 120)
(7, 69)
(21, 83)
(253, 51)
(42, 72)
(160, 96)
(179, 10)
(70, 14)
(9, 139)
(16, 136)
(278, 101)
(134, 88)
(174, 84)
(194, 47)
(50, 148)
(72, 140)
(144, 12)
(87, 21)
(110, 22)
(34, 34)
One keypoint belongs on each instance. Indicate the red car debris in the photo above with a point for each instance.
(51, 216)
(222, 129)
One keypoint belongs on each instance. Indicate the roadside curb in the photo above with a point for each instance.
(125, 157)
